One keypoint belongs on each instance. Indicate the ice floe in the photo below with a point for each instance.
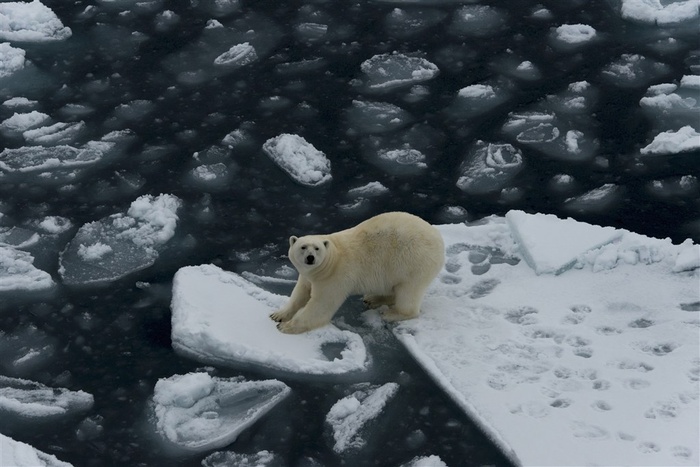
(22, 400)
(601, 360)
(659, 12)
(634, 70)
(376, 117)
(117, 245)
(25, 350)
(17, 272)
(197, 412)
(229, 458)
(350, 414)
(18, 454)
(573, 36)
(488, 167)
(210, 304)
(478, 21)
(30, 22)
(389, 71)
(299, 159)
(11, 59)
(674, 142)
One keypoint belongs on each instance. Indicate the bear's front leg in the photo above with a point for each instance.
(317, 312)
(300, 296)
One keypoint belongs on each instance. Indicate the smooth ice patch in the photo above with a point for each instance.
(600, 361)
(221, 318)
(299, 159)
(17, 454)
(30, 22)
(117, 245)
(198, 412)
(488, 167)
(350, 414)
(551, 245)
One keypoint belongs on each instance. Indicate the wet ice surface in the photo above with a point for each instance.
(448, 109)
(606, 357)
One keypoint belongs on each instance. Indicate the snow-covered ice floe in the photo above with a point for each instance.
(350, 414)
(117, 245)
(17, 272)
(23, 400)
(218, 317)
(389, 71)
(30, 22)
(197, 412)
(597, 365)
(300, 159)
(17, 454)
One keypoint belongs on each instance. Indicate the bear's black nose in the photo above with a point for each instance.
(310, 259)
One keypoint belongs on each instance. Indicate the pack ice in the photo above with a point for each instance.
(18, 454)
(30, 22)
(120, 244)
(197, 412)
(585, 353)
(22, 400)
(219, 317)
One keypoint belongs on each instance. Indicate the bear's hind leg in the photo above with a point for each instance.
(375, 301)
(407, 303)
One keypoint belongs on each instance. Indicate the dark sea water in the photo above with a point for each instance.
(113, 340)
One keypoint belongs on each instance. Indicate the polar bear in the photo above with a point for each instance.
(390, 259)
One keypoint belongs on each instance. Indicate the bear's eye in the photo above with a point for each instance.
(304, 247)
(316, 248)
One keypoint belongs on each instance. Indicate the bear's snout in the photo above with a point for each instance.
(310, 259)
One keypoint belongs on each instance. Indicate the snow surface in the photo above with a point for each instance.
(198, 412)
(17, 272)
(17, 454)
(674, 142)
(595, 366)
(11, 59)
(300, 159)
(221, 318)
(660, 12)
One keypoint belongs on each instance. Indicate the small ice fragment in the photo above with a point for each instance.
(300, 159)
(238, 55)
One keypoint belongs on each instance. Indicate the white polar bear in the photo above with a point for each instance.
(390, 259)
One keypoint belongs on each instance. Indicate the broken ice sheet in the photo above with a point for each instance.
(120, 244)
(30, 22)
(197, 412)
(349, 415)
(18, 454)
(300, 159)
(24, 401)
(230, 459)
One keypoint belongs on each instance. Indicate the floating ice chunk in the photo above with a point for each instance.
(299, 158)
(551, 245)
(238, 55)
(674, 142)
(56, 134)
(21, 122)
(27, 349)
(197, 412)
(349, 415)
(389, 71)
(476, 99)
(17, 454)
(634, 70)
(660, 12)
(369, 190)
(120, 244)
(211, 175)
(376, 117)
(404, 153)
(11, 60)
(690, 81)
(218, 8)
(230, 458)
(206, 327)
(488, 167)
(426, 461)
(595, 200)
(30, 22)
(569, 36)
(19, 103)
(577, 99)
(29, 159)
(477, 20)
(17, 272)
(403, 23)
(21, 399)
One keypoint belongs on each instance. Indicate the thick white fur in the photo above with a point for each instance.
(390, 259)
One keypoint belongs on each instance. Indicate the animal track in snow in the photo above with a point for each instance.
(601, 406)
(586, 430)
(608, 330)
(483, 287)
(658, 350)
(561, 403)
(636, 384)
(641, 323)
(681, 452)
(601, 385)
(648, 447)
(522, 315)
(632, 365)
(694, 306)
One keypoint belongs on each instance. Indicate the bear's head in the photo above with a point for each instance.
(309, 252)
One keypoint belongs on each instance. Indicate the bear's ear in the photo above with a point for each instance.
(325, 243)
(292, 240)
